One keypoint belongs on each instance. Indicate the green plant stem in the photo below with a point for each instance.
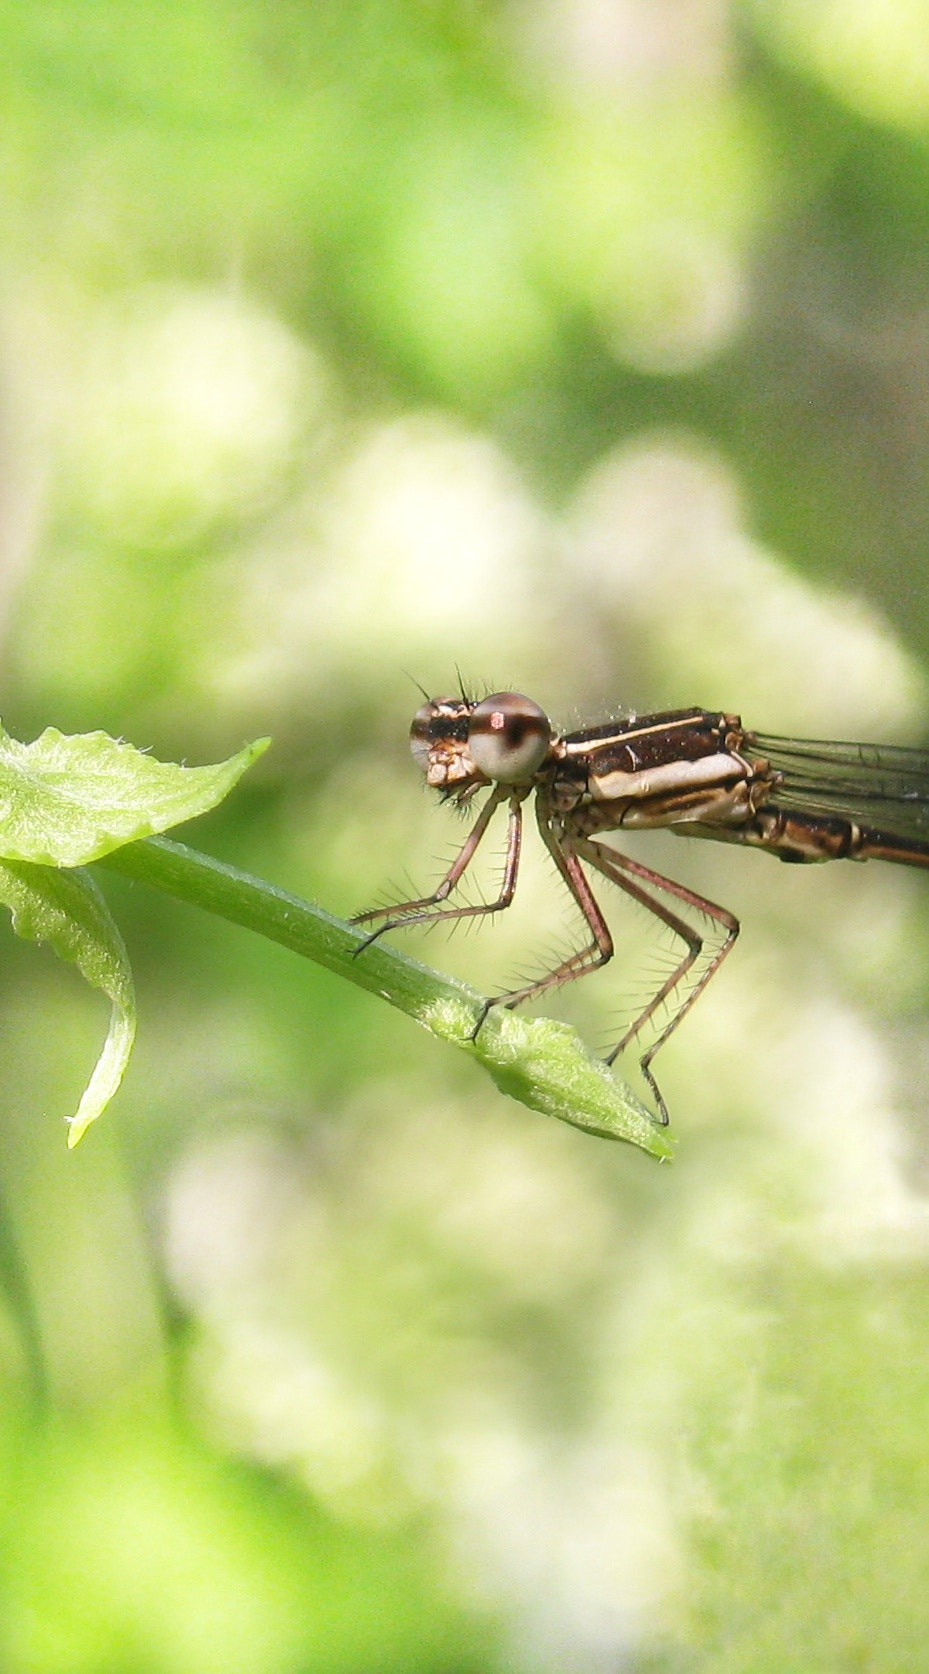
(538, 1061)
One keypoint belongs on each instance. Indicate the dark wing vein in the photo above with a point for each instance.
(885, 786)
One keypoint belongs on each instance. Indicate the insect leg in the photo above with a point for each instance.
(647, 887)
(429, 909)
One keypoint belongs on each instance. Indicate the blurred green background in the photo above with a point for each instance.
(582, 345)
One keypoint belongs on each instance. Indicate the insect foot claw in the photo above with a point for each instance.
(368, 940)
(485, 1009)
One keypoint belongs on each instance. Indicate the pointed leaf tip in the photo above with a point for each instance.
(65, 801)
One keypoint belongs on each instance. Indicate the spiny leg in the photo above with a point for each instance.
(621, 870)
(588, 958)
(424, 910)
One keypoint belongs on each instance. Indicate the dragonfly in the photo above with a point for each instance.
(695, 772)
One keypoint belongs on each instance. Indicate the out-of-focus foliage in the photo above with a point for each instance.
(582, 346)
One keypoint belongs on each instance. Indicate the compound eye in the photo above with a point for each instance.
(508, 737)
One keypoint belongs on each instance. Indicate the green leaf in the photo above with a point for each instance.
(65, 801)
(536, 1060)
(67, 910)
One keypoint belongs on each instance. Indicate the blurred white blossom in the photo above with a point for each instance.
(657, 536)
(188, 412)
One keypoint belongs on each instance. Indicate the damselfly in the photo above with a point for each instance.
(698, 773)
